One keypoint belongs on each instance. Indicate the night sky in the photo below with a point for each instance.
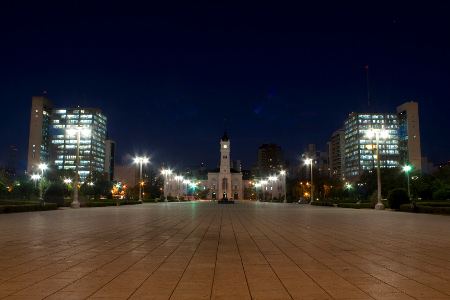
(168, 73)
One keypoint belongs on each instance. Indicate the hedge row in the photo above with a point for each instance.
(425, 209)
(355, 205)
(17, 202)
(433, 204)
(110, 203)
(26, 207)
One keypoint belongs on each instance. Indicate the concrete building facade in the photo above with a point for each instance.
(53, 142)
(40, 137)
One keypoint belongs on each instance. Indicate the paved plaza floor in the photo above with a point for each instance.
(202, 250)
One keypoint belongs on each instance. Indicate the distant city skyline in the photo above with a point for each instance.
(167, 75)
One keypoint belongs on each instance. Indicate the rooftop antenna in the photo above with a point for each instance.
(368, 88)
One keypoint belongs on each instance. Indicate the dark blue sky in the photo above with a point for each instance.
(166, 74)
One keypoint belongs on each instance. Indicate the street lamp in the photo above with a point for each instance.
(407, 169)
(384, 134)
(140, 160)
(256, 188)
(264, 182)
(272, 179)
(178, 179)
(284, 177)
(186, 182)
(42, 167)
(35, 177)
(310, 161)
(349, 186)
(77, 131)
(165, 173)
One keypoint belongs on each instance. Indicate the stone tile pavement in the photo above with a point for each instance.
(202, 250)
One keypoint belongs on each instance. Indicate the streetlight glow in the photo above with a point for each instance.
(140, 160)
(384, 134)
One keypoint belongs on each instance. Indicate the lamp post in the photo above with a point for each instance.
(140, 160)
(186, 182)
(178, 179)
(272, 179)
(407, 169)
(384, 134)
(310, 161)
(349, 186)
(35, 177)
(165, 173)
(284, 177)
(42, 167)
(256, 188)
(77, 130)
(264, 182)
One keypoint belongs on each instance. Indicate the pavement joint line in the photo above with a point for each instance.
(77, 245)
(217, 252)
(74, 246)
(370, 250)
(351, 253)
(100, 253)
(271, 267)
(377, 264)
(184, 271)
(317, 260)
(167, 256)
(281, 251)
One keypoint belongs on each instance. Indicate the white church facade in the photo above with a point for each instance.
(223, 182)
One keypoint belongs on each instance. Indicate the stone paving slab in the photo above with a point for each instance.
(201, 250)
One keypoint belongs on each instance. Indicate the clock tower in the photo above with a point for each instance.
(225, 154)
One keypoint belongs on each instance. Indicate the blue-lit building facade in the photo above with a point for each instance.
(63, 149)
(360, 150)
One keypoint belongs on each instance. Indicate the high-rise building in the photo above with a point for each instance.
(39, 140)
(270, 160)
(63, 150)
(337, 155)
(400, 147)
(320, 163)
(110, 158)
(360, 150)
(409, 135)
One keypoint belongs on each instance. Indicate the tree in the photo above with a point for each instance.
(397, 197)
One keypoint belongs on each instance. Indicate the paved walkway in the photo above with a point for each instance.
(204, 250)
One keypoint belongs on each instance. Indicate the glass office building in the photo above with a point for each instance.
(92, 139)
(360, 150)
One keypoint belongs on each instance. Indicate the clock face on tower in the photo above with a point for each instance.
(225, 146)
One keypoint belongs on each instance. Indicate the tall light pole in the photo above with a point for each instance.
(186, 182)
(42, 167)
(407, 169)
(264, 182)
(272, 179)
(384, 134)
(165, 173)
(284, 177)
(310, 161)
(140, 160)
(35, 177)
(256, 188)
(77, 130)
(178, 179)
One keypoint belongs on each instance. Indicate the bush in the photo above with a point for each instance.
(397, 197)
(26, 207)
(180, 198)
(441, 194)
(425, 209)
(356, 205)
(101, 203)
